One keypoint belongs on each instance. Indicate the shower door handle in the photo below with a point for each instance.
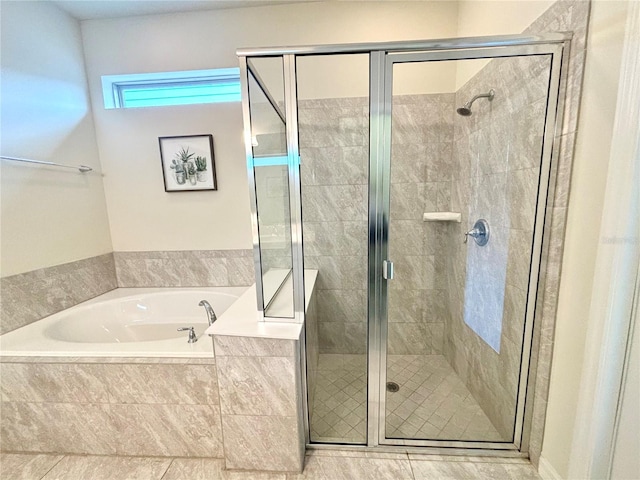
(387, 270)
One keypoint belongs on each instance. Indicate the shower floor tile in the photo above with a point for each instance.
(432, 402)
(339, 413)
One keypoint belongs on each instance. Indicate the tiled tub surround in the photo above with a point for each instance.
(117, 406)
(169, 406)
(30, 296)
(79, 396)
(185, 268)
(139, 322)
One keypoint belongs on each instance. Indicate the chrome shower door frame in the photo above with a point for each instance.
(290, 119)
(381, 78)
(382, 58)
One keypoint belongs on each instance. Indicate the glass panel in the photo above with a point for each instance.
(456, 310)
(272, 192)
(269, 71)
(333, 111)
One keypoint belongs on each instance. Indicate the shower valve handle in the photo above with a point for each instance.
(192, 334)
(479, 232)
(474, 232)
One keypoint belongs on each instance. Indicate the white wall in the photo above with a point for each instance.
(48, 216)
(626, 462)
(600, 89)
(142, 215)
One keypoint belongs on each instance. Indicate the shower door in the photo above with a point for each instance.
(457, 137)
(416, 176)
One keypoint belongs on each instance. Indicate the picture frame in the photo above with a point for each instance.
(188, 163)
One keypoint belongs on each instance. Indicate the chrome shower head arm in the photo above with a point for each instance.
(489, 95)
(465, 110)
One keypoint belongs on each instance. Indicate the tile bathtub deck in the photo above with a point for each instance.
(319, 465)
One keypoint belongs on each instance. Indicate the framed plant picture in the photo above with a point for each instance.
(188, 163)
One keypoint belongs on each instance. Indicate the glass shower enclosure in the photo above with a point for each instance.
(414, 177)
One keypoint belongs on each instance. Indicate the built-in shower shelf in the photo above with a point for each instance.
(442, 217)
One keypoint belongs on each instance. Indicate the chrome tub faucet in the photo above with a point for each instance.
(211, 315)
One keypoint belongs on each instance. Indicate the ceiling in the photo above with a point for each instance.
(93, 9)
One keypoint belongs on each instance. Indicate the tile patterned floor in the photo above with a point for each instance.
(319, 465)
(339, 413)
(432, 403)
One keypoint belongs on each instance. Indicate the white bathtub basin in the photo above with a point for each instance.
(139, 318)
(125, 322)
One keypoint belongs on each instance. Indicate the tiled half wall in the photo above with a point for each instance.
(261, 403)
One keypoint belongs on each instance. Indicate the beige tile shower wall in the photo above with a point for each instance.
(497, 155)
(189, 268)
(421, 146)
(334, 175)
(30, 296)
(570, 16)
(561, 16)
(114, 408)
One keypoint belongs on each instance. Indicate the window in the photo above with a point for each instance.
(171, 88)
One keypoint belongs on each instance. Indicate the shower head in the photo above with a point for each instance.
(465, 110)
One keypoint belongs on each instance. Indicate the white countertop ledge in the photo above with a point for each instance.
(241, 318)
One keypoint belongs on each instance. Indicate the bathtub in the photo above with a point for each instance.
(126, 322)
